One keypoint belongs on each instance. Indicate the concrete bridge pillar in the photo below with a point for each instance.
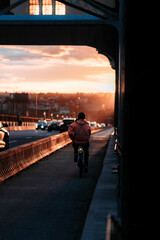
(136, 119)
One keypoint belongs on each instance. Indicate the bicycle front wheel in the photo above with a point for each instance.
(80, 172)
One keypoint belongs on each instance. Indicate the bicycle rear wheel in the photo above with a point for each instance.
(80, 162)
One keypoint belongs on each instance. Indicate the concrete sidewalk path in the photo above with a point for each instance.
(105, 198)
(48, 200)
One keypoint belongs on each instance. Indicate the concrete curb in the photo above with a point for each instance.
(105, 199)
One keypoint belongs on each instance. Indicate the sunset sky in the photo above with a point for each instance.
(54, 69)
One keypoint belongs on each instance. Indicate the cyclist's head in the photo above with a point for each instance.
(81, 115)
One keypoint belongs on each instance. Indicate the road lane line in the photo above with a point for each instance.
(12, 141)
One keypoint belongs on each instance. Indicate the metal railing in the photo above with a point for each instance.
(113, 229)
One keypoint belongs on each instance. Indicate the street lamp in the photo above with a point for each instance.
(77, 105)
(44, 114)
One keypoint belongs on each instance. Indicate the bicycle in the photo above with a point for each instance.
(80, 163)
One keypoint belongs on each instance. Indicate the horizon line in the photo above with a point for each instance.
(57, 92)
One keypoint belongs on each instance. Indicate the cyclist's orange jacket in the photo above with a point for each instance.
(79, 131)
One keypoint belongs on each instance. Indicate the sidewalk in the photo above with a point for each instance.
(48, 200)
(104, 200)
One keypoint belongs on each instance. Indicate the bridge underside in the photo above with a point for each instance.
(61, 30)
(136, 70)
(79, 30)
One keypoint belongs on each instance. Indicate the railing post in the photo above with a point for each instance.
(113, 231)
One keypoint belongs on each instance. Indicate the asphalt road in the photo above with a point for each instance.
(48, 200)
(18, 138)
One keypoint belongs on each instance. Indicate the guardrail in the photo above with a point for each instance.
(16, 159)
(21, 128)
(14, 126)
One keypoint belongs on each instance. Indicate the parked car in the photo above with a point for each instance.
(4, 138)
(40, 123)
(65, 124)
(44, 125)
(53, 125)
(93, 124)
(103, 125)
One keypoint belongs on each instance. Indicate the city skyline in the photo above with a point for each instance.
(67, 69)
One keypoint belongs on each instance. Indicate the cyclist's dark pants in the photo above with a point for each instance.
(85, 147)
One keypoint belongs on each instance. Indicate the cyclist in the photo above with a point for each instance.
(80, 132)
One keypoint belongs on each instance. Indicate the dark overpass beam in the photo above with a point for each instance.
(60, 30)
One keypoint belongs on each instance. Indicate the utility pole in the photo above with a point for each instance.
(36, 105)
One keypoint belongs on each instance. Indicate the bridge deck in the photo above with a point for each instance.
(49, 200)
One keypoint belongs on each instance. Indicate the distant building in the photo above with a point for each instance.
(93, 107)
(41, 7)
(20, 97)
(83, 100)
(64, 111)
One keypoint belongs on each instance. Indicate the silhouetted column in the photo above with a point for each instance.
(116, 100)
(139, 69)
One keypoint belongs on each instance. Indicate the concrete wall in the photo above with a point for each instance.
(58, 30)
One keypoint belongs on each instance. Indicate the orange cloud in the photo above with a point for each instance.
(52, 67)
